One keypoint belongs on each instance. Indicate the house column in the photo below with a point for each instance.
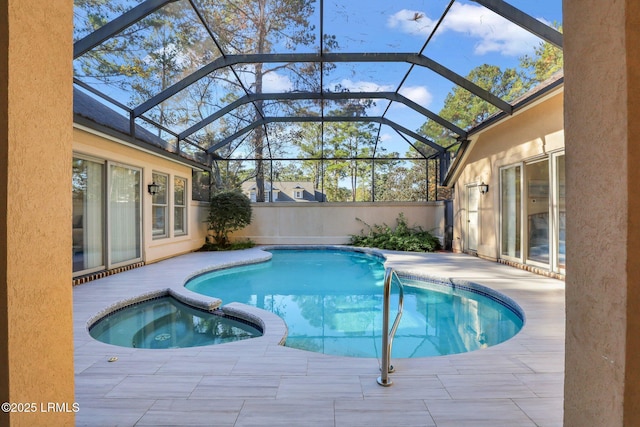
(36, 331)
(602, 125)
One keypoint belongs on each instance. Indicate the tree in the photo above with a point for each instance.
(259, 26)
(385, 178)
(546, 61)
(228, 211)
(146, 57)
(344, 143)
(347, 142)
(310, 145)
(402, 182)
(466, 110)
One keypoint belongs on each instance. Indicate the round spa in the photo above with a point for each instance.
(331, 301)
(164, 322)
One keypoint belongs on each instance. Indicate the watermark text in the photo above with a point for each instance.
(40, 407)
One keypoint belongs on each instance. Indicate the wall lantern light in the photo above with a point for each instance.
(153, 188)
(484, 188)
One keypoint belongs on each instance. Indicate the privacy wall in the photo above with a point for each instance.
(334, 223)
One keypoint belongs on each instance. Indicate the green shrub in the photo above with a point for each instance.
(233, 246)
(229, 211)
(403, 238)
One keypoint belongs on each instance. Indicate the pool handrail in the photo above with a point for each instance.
(387, 335)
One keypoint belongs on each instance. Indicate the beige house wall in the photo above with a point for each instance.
(334, 223)
(90, 144)
(532, 132)
(36, 331)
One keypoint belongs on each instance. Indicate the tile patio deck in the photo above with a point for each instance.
(260, 383)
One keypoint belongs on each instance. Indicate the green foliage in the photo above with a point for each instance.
(229, 211)
(403, 238)
(547, 60)
(233, 246)
(466, 110)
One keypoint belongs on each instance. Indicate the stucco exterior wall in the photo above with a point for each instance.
(334, 223)
(602, 81)
(36, 331)
(535, 131)
(97, 146)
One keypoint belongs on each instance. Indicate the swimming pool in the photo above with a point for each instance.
(331, 301)
(164, 322)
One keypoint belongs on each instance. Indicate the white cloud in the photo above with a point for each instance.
(411, 22)
(384, 137)
(496, 34)
(493, 32)
(418, 94)
(273, 82)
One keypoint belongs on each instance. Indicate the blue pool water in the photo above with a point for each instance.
(331, 301)
(165, 322)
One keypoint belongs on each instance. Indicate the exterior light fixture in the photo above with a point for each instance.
(484, 188)
(153, 188)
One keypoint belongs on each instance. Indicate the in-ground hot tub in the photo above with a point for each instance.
(164, 322)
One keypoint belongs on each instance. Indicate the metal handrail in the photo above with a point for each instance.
(387, 335)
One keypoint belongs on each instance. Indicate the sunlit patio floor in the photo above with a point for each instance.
(260, 383)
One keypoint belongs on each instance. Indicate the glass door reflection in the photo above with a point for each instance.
(537, 175)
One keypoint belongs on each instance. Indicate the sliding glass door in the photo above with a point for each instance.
(511, 211)
(124, 214)
(107, 215)
(88, 215)
(538, 205)
(559, 213)
(532, 212)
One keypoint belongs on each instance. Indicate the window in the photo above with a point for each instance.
(179, 206)
(511, 211)
(88, 215)
(160, 206)
(297, 193)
